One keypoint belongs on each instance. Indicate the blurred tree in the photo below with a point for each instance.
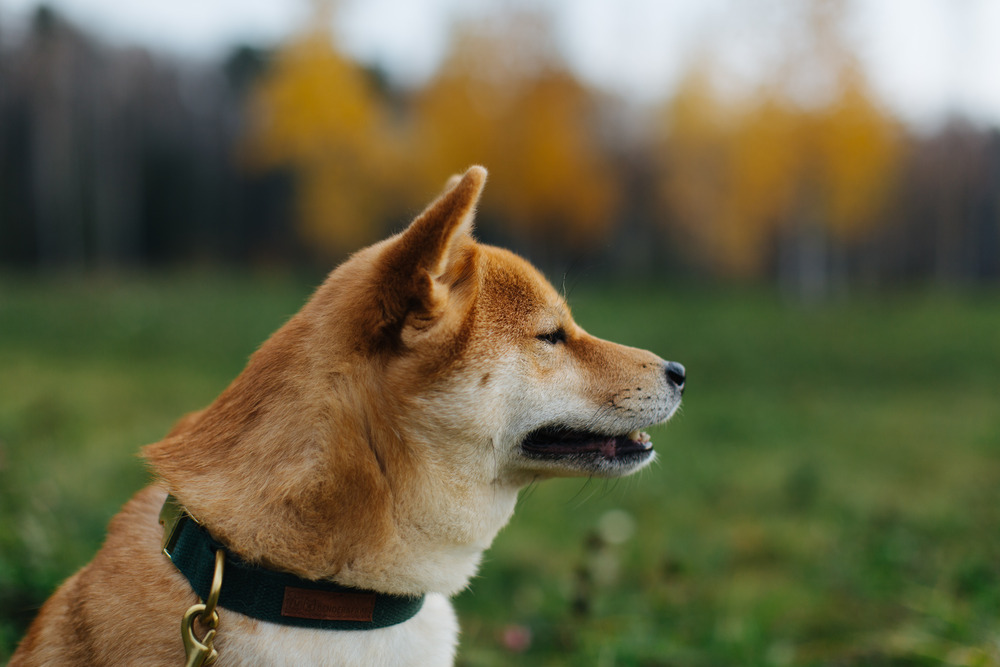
(59, 57)
(317, 112)
(947, 224)
(745, 175)
(504, 98)
(727, 173)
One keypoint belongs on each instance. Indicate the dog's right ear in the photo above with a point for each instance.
(418, 268)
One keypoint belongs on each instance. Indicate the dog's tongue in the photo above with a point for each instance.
(608, 447)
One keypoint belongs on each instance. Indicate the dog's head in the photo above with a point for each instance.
(484, 360)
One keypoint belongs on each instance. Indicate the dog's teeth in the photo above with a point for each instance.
(641, 437)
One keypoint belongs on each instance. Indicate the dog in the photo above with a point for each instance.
(350, 478)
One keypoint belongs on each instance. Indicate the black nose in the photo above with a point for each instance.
(676, 374)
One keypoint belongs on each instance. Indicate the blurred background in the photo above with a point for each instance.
(800, 200)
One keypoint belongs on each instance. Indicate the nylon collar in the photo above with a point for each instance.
(275, 597)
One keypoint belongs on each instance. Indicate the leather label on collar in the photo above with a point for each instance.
(327, 605)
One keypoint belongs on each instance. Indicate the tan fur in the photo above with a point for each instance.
(374, 440)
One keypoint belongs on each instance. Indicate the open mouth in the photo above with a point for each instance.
(556, 442)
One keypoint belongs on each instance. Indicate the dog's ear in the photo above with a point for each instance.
(431, 241)
(419, 268)
(450, 184)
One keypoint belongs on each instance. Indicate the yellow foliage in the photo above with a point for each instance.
(728, 172)
(736, 173)
(859, 148)
(315, 111)
(500, 99)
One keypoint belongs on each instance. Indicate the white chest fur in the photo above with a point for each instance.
(426, 640)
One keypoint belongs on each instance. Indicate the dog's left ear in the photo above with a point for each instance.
(420, 266)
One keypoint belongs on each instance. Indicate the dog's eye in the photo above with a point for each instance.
(553, 337)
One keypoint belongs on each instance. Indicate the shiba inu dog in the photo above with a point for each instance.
(348, 481)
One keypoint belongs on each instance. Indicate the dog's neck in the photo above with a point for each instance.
(424, 547)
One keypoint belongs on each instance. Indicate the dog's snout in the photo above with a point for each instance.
(676, 373)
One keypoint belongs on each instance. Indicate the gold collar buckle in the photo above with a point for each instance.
(170, 518)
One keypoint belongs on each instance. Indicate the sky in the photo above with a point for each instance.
(926, 58)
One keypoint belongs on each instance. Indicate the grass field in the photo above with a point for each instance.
(829, 495)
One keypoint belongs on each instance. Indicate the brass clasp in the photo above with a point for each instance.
(198, 652)
(202, 652)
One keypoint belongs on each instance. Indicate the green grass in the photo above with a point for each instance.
(829, 495)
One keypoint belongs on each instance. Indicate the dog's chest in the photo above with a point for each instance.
(429, 638)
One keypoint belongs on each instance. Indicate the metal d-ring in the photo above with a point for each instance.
(213, 593)
(201, 652)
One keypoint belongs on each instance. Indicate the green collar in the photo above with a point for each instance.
(275, 597)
